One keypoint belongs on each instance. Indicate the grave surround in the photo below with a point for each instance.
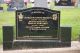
(37, 27)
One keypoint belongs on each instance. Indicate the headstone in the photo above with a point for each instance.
(1, 8)
(79, 3)
(39, 27)
(37, 23)
(19, 4)
(41, 3)
(16, 5)
(11, 6)
(1, 1)
(63, 3)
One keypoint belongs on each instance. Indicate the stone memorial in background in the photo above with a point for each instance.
(1, 1)
(19, 4)
(79, 3)
(63, 3)
(16, 5)
(41, 3)
(1, 8)
(11, 6)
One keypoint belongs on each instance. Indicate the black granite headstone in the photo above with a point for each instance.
(37, 27)
(37, 23)
(63, 3)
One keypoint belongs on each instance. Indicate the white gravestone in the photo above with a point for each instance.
(19, 4)
(41, 3)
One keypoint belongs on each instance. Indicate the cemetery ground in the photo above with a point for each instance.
(75, 48)
(69, 17)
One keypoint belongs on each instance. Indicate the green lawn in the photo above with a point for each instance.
(69, 17)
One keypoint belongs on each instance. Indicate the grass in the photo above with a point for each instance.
(69, 17)
(6, 18)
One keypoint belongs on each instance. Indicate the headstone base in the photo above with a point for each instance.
(65, 41)
(20, 44)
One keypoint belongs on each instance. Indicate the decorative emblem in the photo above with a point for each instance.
(20, 16)
(54, 16)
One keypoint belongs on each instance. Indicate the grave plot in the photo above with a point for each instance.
(37, 27)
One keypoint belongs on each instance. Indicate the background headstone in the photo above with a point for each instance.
(16, 5)
(31, 0)
(1, 1)
(63, 3)
(19, 4)
(11, 6)
(78, 3)
(41, 3)
(1, 8)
